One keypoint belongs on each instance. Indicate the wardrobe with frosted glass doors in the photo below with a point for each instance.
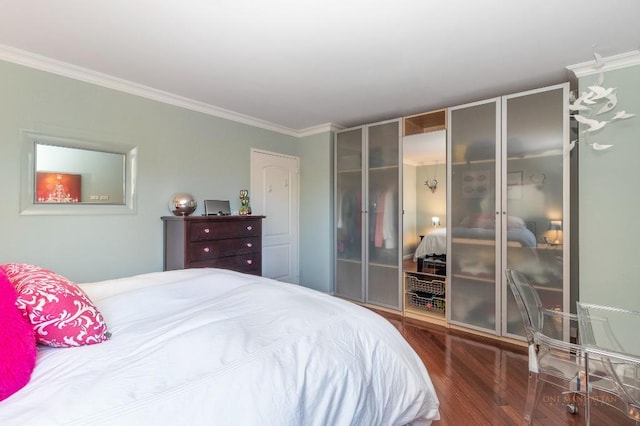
(367, 214)
(508, 205)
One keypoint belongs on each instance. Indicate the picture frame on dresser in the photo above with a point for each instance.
(217, 208)
(228, 242)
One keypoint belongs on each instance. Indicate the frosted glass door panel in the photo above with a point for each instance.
(473, 222)
(383, 222)
(349, 180)
(535, 134)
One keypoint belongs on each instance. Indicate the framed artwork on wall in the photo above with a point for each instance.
(62, 188)
(514, 185)
(476, 183)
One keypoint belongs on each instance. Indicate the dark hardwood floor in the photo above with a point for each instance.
(480, 381)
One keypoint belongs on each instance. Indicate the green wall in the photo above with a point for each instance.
(429, 203)
(179, 150)
(609, 201)
(316, 212)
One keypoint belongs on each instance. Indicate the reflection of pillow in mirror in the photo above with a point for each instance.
(17, 342)
(59, 311)
(515, 222)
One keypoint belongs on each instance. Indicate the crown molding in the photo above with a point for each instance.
(43, 63)
(610, 63)
(322, 128)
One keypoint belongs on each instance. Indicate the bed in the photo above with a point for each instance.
(212, 346)
(435, 242)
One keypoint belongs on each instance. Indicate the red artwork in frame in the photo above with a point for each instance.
(63, 188)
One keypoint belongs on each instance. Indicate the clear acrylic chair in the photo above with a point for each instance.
(554, 357)
(610, 336)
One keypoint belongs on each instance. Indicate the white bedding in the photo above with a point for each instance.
(215, 347)
(435, 242)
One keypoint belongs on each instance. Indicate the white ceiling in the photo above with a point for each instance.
(298, 64)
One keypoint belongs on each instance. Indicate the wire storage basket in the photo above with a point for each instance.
(426, 301)
(426, 295)
(436, 287)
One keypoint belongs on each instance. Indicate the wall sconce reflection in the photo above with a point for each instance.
(556, 225)
(435, 221)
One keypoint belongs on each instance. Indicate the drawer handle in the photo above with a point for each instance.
(249, 228)
(249, 261)
(249, 245)
(206, 249)
(206, 230)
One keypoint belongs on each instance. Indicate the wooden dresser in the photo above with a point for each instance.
(229, 242)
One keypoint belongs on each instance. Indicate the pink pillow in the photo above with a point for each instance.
(59, 311)
(17, 342)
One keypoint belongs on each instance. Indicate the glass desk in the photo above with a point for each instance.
(611, 341)
(610, 329)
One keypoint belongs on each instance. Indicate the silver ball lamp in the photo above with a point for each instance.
(182, 204)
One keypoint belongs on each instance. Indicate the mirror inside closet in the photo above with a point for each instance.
(424, 169)
(424, 173)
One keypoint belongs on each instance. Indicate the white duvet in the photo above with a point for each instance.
(215, 347)
(435, 242)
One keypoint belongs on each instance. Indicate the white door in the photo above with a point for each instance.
(274, 194)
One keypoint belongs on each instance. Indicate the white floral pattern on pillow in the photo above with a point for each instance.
(61, 314)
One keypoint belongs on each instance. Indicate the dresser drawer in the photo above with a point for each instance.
(208, 230)
(201, 250)
(241, 263)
